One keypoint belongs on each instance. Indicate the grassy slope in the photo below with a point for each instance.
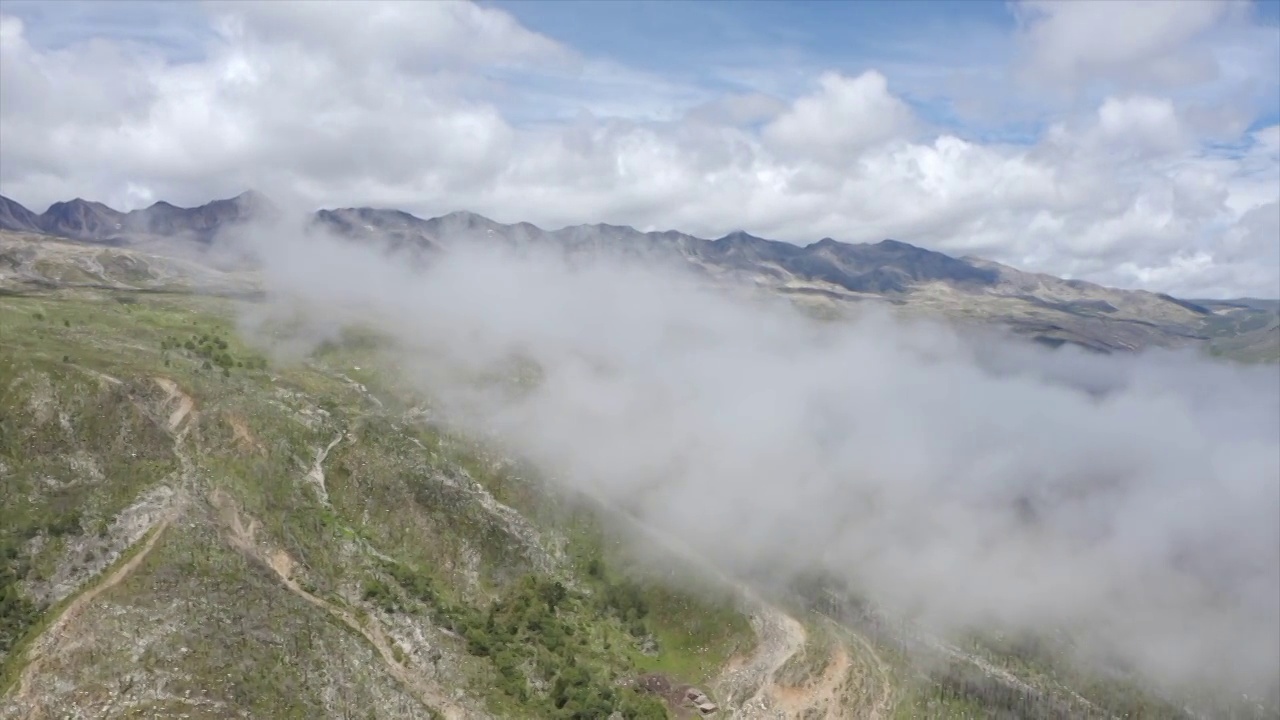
(212, 630)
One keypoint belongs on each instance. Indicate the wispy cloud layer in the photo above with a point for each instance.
(1127, 501)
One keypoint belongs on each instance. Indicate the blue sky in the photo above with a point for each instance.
(932, 50)
(1133, 143)
(733, 45)
(666, 34)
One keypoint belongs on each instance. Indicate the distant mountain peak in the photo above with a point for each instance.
(467, 217)
(738, 237)
(372, 217)
(13, 216)
(463, 220)
(76, 203)
(890, 243)
(253, 196)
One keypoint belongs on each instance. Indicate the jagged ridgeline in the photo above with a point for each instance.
(826, 276)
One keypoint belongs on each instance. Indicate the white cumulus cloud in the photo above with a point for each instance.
(436, 107)
(844, 116)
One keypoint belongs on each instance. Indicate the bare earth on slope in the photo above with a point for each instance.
(315, 475)
(855, 682)
(746, 685)
(49, 641)
(57, 633)
(822, 699)
(242, 536)
(185, 403)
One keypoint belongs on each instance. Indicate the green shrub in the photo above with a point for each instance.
(17, 612)
(380, 594)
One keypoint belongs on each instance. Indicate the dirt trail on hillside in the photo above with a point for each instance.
(746, 686)
(315, 475)
(242, 536)
(823, 697)
(743, 686)
(48, 641)
(830, 697)
(185, 402)
(108, 379)
(882, 706)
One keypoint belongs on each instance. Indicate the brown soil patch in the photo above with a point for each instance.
(820, 698)
(185, 403)
(244, 437)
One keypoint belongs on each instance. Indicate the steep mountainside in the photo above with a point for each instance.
(17, 218)
(83, 220)
(189, 529)
(294, 541)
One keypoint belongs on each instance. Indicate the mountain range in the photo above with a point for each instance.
(86, 220)
(827, 273)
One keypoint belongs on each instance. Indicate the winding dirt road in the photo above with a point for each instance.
(747, 686)
(856, 681)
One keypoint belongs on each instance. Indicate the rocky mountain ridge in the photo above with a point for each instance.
(828, 273)
(90, 221)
